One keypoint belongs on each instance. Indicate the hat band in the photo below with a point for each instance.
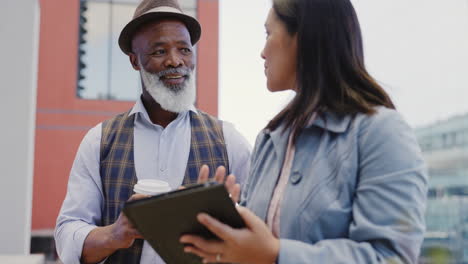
(164, 9)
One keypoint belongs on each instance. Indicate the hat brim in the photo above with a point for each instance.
(126, 36)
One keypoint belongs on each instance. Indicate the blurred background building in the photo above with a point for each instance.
(445, 148)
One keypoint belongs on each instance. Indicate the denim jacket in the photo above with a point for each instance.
(356, 192)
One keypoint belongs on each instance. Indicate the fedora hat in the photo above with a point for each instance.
(153, 10)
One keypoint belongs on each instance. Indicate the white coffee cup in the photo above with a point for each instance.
(151, 187)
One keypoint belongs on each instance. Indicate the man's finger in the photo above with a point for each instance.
(232, 187)
(235, 193)
(137, 234)
(220, 174)
(204, 173)
(138, 196)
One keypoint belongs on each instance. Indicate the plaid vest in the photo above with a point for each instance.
(117, 167)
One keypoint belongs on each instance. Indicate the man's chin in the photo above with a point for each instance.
(175, 107)
(173, 99)
(175, 88)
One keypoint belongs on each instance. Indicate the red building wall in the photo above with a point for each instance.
(63, 119)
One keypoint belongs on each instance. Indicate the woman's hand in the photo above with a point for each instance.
(253, 244)
(220, 176)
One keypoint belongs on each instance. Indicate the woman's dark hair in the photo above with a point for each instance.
(331, 75)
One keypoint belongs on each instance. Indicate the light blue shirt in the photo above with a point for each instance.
(160, 153)
(356, 192)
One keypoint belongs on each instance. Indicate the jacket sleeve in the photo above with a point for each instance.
(389, 202)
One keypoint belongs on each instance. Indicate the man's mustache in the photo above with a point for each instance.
(179, 71)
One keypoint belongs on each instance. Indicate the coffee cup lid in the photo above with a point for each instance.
(151, 187)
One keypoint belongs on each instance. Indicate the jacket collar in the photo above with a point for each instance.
(332, 122)
(327, 121)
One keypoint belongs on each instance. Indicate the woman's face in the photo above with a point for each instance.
(279, 53)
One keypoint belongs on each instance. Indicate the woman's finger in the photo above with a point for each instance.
(250, 219)
(196, 251)
(208, 246)
(206, 257)
(204, 173)
(215, 259)
(224, 232)
(220, 174)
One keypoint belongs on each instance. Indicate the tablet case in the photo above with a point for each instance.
(164, 218)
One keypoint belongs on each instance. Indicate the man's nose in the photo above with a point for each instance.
(174, 60)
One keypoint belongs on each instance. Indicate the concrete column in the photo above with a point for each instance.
(19, 33)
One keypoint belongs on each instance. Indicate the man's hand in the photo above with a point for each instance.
(123, 233)
(103, 241)
(220, 176)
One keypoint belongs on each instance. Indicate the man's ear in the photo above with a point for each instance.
(134, 61)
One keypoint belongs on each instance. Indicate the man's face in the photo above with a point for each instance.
(162, 52)
(164, 45)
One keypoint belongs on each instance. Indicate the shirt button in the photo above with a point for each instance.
(296, 177)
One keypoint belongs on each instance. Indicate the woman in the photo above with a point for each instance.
(337, 176)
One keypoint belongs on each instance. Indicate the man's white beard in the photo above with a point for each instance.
(177, 98)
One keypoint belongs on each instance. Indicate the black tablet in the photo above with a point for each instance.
(164, 218)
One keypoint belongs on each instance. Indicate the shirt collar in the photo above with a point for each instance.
(139, 108)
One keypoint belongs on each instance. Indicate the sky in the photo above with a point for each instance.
(418, 50)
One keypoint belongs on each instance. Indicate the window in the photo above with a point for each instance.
(104, 71)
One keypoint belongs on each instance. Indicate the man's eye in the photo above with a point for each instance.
(158, 52)
(186, 50)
